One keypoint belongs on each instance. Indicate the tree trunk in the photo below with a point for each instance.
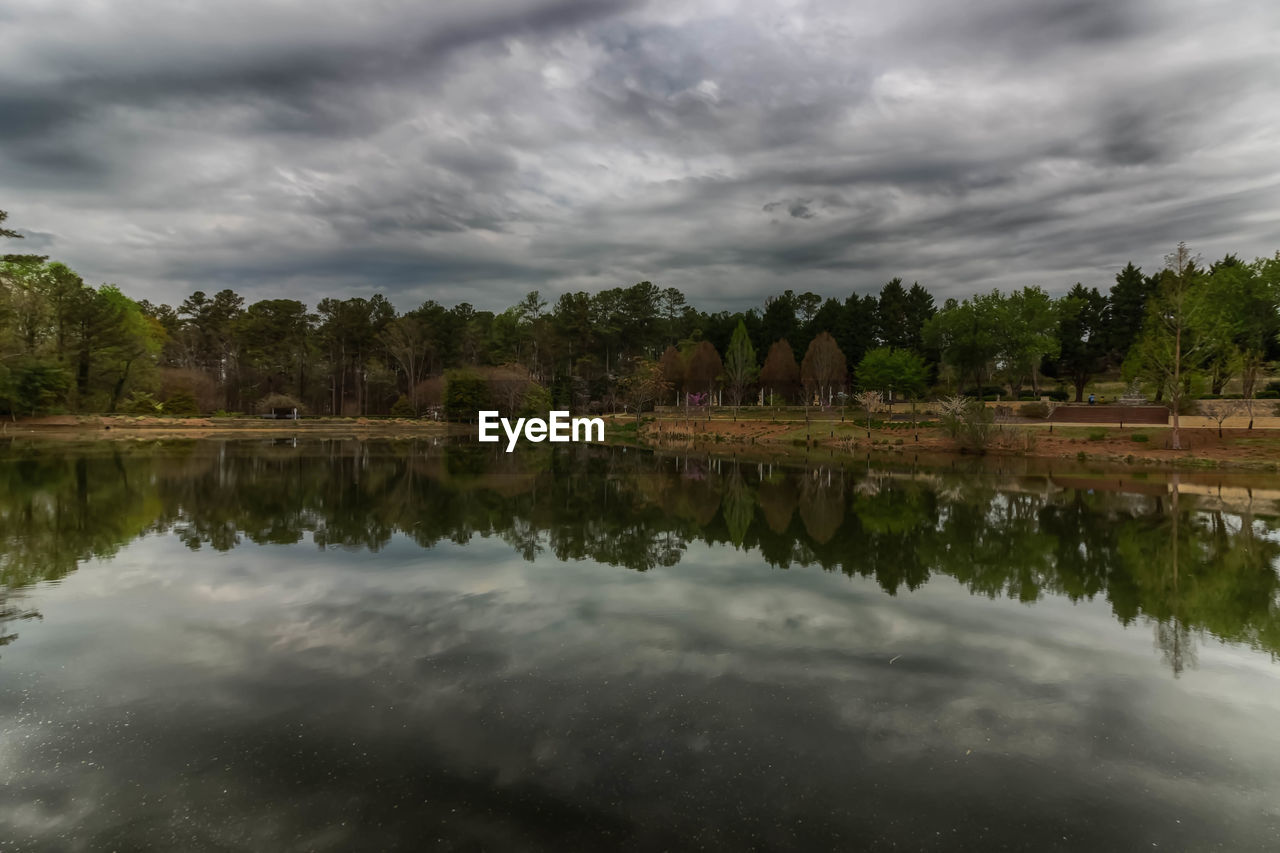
(1176, 396)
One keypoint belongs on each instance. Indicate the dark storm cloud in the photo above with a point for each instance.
(476, 150)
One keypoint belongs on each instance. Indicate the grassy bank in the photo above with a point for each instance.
(765, 436)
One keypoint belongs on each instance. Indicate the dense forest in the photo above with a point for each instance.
(65, 346)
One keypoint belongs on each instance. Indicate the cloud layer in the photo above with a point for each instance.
(476, 150)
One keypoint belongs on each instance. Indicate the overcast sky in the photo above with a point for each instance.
(473, 150)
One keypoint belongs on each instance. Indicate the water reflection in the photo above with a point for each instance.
(1192, 563)
(381, 645)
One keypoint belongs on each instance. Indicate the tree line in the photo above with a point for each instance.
(69, 346)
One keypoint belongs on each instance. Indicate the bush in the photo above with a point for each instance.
(971, 425)
(1273, 385)
(32, 386)
(1138, 436)
(1033, 410)
(200, 385)
(142, 403)
(537, 402)
(1097, 435)
(402, 408)
(1268, 395)
(465, 394)
(991, 391)
(278, 401)
(181, 403)
(1058, 395)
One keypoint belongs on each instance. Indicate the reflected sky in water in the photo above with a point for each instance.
(391, 645)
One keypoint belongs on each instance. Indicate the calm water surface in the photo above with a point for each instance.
(378, 645)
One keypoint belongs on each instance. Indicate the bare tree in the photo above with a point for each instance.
(1224, 409)
(508, 386)
(406, 339)
(824, 367)
(780, 373)
(869, 401)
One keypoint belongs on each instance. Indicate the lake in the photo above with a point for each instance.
(338, 644)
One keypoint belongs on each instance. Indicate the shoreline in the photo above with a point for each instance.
(109, 427)
(1132, 448)
(750, 436)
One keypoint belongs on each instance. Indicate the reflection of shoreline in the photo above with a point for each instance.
(1000, 530)
(1232, 491)
(9, 615)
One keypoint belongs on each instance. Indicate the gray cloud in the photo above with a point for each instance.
(476, 150)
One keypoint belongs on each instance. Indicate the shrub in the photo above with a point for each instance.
(142, 403)
(1097, 435)
(200, 385)
(465, 393)
(430, 392)
(1268, 395)
(1138, 436)
(182, 403)
(991, 391)
(537, 402)
(31, 386)
(278, 401)
(969, 422)
(402, 408)
(1033, 410)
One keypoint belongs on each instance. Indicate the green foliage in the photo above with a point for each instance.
(181, 403)
(1140, 437)
(970, 423)
(645, 385)
(32, 386)
(967, 334)
(142, 403)
(465, 394)
(986, 391)
(1034, 410)
(1082, 337)
(536, 402)
(896, 373)
(1098, 435)
(739, 363)
(358, 355)
(403, 408)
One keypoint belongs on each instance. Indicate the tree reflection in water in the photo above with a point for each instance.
(1193, 565)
